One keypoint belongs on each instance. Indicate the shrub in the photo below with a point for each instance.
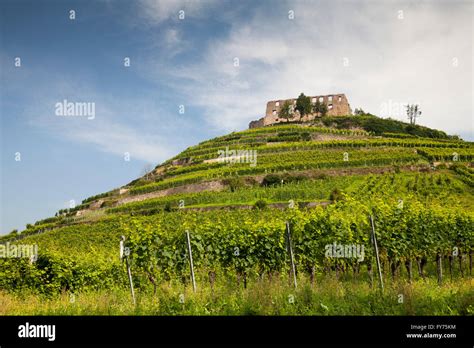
(271, 180)
(287, 178)
(305, 136)
(234, 183)
(336, 195)
(260, 204)
(168, 207)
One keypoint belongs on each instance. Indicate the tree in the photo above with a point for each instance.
(147, 171)
(320, 108)
(303, 105)
(359, 111)
(317, 107)
(271, 180)
(323, 109)
(413, 112)
(285, 111)
(416, 113)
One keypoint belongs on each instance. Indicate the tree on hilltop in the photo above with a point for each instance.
(285, 111)
(413, 112)
(320, 108)
(303, 105)
(317, 107)
(323, 109)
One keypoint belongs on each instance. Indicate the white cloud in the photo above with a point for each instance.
(118, 124)
(157, 11)
(119, 139)
(405, 60)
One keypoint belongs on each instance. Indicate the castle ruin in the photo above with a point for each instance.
(337, 105)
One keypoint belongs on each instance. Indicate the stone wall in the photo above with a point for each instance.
(256, 124)
(337, 105)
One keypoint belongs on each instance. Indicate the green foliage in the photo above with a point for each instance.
(234, 183)
(448, 154)
(379, 126)
(317, 107)
(336, 195)
(248, 242)
(285, 111)
(260, 204)
(303, 105)
(323, 109)
(465, 173)
(267, 296)
(99, 196)
(436, 214)
(271, 180)
(290, 136)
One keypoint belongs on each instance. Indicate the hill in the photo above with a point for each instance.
(235, 193)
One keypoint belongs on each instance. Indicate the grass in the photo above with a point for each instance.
(327, 296)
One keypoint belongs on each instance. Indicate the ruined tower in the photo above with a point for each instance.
(337, 105)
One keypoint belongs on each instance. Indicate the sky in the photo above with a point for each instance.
(162, 75)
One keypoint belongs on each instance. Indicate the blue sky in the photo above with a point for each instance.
(380, 54)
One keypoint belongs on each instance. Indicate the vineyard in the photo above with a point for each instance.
(296, 221)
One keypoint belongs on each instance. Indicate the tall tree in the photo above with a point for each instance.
(285, 111)
(303, 105)
(317, 107)
(323, 109)
(410, 113)
(413, 112)
(416, 113)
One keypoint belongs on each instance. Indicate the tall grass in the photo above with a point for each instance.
(327, 296)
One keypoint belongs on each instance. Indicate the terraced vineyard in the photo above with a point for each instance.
(235, 194)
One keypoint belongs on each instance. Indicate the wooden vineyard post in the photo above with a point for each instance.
(377, 258)
(439, 266)
(122, 240)
(124, 253)
(190, 254)
(290, 249)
